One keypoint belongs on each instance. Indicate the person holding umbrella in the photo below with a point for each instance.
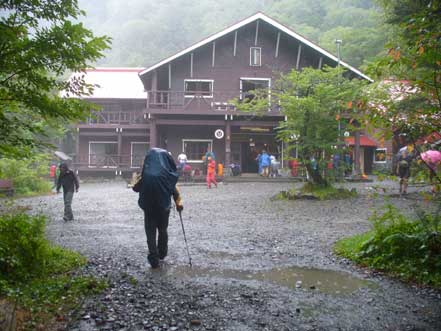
(156, 186)
(433, 159)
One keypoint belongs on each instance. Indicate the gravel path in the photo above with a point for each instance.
(257, 264)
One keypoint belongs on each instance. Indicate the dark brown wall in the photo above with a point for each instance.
(228, 68)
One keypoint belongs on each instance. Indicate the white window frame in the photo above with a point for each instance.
(100, 142)
(256, 78)
(385, 155)
(252, 55)
(199, 80)
(131, 151)
(197, 140)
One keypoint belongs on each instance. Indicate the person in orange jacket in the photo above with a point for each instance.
(211, 172)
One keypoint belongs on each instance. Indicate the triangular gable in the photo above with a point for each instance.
(244, 22)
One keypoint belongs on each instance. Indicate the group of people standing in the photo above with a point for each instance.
(267, 165)
(209, 160)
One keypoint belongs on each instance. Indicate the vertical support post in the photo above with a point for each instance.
(153, 133)
(299, 53)
(214, 54)
(277, 45)
(191, 65)
(320, 62)
(154, 86)
(77, 147)
(235, 43)
(119, 147)
(357, 153)
(169, 76)
(282, 157)
(227, 143)
(257, 33)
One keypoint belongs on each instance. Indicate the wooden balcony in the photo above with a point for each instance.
(103, 162)
(117, 118)
(197, 102)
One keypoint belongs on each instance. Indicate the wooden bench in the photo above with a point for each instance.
(6, 187)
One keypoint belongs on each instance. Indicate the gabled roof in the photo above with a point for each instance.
(246, 21)
(114, 83)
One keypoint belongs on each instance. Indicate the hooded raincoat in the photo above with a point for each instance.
(158, 185)
(159, 178)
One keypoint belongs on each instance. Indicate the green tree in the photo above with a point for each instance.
(40, 42)
(412, 68)
(314, 101)
(414, 59)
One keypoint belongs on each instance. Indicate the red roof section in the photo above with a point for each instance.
(364, 141)
(431, 138)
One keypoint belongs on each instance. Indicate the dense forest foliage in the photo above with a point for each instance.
(146, 31)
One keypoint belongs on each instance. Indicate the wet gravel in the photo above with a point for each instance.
(235, 228)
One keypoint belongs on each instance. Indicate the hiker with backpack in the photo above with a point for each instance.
(404, 160)
(69, 181)
(156, 186)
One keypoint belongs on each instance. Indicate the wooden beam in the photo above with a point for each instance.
(214, 54)
(153, 133)
(320, 62)
(169, 76)
(277, 44)
(119, 145)
(255, 123)
(99, 133)
(257, 33)
(299, 53)
(227, 142)
(191, 65)
(77, 143)
(235, 43)
(190, 122)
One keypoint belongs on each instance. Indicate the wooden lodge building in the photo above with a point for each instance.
(183, 103)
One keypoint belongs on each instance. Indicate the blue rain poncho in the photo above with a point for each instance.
(159, 178)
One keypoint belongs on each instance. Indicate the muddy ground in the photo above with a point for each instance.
(257, 264)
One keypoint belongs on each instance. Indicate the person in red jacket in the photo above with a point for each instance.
(211, 172)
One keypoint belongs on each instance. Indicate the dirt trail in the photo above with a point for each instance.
(252, 262)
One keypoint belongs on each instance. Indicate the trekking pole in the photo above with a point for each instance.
(185, 237)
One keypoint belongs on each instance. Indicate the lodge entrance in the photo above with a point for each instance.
(245, 154)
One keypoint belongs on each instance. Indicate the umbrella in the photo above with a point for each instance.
(62, 156)
(431, 157)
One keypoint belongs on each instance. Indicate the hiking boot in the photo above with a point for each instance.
(154, 263)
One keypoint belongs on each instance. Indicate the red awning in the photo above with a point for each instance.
(364, 141)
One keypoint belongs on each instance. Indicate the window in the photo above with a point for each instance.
(380, 155)
(255, 56)
(195, 149)
(250, 85)
(103, 154)
(198, 87)
(139, 151)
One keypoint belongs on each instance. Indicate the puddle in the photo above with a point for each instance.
(325, 281)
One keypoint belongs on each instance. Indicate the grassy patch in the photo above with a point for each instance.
(409, 249)
(316, 192)
(41, 280)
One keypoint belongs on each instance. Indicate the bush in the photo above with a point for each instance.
(22, 246)
(25, 252)
(28, 176)
(407, 248)
(40, 278)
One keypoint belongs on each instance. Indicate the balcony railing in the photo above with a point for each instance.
(117, 117)
(179, 100)
(107, 161)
